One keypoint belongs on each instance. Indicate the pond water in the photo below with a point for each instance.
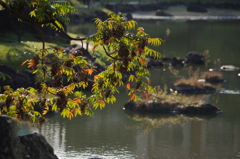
(114, 134)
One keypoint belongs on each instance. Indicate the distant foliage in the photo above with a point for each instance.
(44, 12)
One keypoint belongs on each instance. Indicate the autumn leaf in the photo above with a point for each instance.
(128, 86)
(31, 63)
(59, 72)
(97, 76)
(90, 71)
(75, 111)
(146, 95)
(70, 115)
(78, 100)
(102, 102)
(140, 59)
(94, 48)
(94, 86)
(24, 62)
(45, 112)
(132, 96)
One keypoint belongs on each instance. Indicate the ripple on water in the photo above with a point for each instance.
(225, 91)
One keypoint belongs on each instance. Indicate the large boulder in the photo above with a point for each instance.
(170, 108)
(177, 62)
(32, 146)
(195, 58)
(154, 63)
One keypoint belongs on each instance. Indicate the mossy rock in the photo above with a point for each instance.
(171, 108)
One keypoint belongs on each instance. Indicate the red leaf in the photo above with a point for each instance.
(147, 95)
(59, 72)
(132, 96)
(78, 100)
(102, 102)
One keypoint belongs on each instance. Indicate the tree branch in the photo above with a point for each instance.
(34, 23)
(110, 55)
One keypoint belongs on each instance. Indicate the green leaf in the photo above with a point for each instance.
(131, 78)
(54, 107)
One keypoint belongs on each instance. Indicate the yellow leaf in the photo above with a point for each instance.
(97, 76)
(45, 112)
(46, 107)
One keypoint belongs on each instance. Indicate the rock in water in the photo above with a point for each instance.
(32, 146)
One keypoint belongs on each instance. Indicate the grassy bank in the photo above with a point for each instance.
(13, 53)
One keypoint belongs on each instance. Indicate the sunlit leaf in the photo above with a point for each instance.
(90, 71)
(78, 100)
(128, 86)
(45, 112)
(132, 96)
(131, 78)
(31, 63)
(24, 62)
(70, 115)
(35, 71)
(155, 41)
(97, 76)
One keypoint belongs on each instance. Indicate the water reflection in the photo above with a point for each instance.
(112, 133)
(149, 121)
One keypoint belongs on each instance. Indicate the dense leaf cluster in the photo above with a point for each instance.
(126, 47)
(40, 12)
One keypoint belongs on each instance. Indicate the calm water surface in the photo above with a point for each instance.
(114, 134)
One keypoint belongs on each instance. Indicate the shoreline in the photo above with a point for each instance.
(152, 17)
(179, 12)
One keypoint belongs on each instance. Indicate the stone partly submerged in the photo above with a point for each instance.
(171, 108)
(32, 146)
